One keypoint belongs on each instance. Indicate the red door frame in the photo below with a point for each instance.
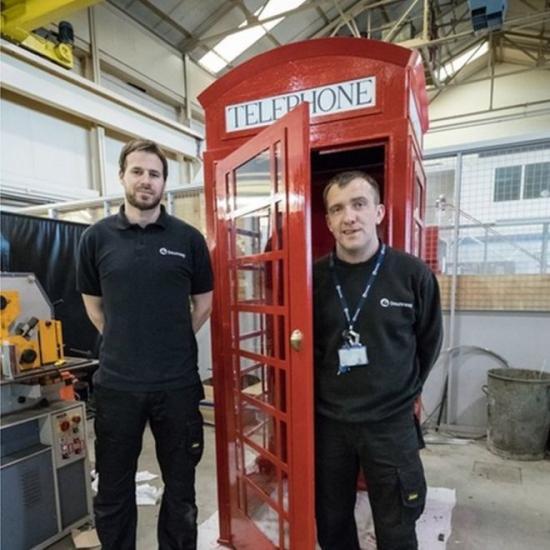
(293, 132)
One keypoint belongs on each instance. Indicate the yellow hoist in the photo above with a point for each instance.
(22, 21)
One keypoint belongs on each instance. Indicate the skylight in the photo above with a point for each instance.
(453, 66)
(234, 45)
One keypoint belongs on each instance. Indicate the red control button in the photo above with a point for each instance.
(65, 425)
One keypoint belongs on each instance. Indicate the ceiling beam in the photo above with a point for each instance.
(517, 22)
(349, 22)
(457, 73)
(399, 24)
(254, 21)
(319, 9)
(165, 17)
(205, 40)
(519, 47)
(189, 44)
(529, 5)
(496, 77)
(355, 10)
(426, 56)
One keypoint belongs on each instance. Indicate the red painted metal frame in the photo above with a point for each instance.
(301, 66)
(292, 132)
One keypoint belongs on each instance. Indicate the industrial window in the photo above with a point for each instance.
(507, 184)
(537, 181)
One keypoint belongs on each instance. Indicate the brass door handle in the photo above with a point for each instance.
(296, 339)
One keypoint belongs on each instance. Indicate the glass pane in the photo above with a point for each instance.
(252, 286)
(263, 515)
(258, 380)
(507, 183)
(286, 536)
(279, 182)
(256, 281)
(253, 181)
(417, 245)
(284, 442)
(228, 191)
(261, 471)
(256, 333)
(259, 427)
(254, 233)
(240, 464)
(417, 200)
(281, 405)
(281, 339)
(279, 220)
(537, 181)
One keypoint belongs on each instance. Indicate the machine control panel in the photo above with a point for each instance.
(68, 435)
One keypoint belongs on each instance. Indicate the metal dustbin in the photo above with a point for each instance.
(518, 413)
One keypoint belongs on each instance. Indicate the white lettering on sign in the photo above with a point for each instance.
(325, 100)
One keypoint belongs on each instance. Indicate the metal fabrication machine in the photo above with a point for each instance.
(44, 475)
(30, 337)
(44, 469)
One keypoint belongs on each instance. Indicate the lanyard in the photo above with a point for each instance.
(351, 321)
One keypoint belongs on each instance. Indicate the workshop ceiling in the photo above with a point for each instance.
(222, 34)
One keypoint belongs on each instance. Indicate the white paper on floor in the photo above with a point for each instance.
(145, 475)
(85, 539)
(433, 527)
(209, 533)
(147, 495)
(95, 480)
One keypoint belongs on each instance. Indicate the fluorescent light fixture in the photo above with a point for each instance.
(453, 66)
(232, 46)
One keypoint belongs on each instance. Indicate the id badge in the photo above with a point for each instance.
(352, 356)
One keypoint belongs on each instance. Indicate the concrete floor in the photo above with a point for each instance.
(501, 504)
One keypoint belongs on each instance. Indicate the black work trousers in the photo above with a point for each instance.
(389, 455)
(176, 424)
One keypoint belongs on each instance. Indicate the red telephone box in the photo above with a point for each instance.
(277, 128)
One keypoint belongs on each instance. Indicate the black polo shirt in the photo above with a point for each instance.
(145, 277)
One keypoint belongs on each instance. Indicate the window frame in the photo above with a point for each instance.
(520, 192)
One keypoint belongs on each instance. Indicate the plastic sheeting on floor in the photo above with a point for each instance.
(433, 528)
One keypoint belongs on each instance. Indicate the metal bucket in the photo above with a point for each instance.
(518, 413)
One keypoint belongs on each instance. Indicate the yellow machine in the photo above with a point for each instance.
(31, 338)
(21, 17)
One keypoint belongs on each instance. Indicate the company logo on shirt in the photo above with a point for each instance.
(165, 252)
(385, 302)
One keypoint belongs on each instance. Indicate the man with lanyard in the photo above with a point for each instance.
(378, 332)
(139, 271)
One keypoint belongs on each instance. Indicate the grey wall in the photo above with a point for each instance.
(522, 338)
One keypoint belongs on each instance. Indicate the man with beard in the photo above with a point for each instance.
(146, 282)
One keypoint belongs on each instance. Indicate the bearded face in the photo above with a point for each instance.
(143, 180)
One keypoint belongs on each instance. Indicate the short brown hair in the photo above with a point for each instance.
(344, 178)
(147, 146)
